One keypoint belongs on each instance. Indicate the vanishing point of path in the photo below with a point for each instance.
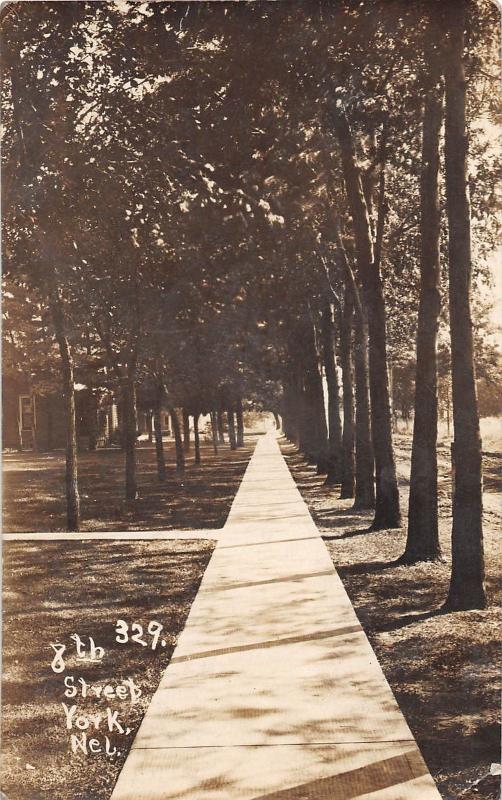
(273, 690)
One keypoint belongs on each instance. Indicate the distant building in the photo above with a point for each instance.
(35, 420)
(32, 420)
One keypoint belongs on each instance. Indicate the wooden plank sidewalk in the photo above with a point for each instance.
(273, 690)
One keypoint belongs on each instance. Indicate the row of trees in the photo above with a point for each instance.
(223, 203)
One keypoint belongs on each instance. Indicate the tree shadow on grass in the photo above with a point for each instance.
(199, 498)
(348, 535)
(410, 619)
(55, 589)
(365, 567)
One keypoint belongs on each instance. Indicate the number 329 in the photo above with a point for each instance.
(134, 632)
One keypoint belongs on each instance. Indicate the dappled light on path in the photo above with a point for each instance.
(273, 690)
(442, 667)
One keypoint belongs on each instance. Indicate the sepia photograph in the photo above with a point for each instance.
(251, 399)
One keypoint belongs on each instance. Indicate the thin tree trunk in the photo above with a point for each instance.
(221, 426)
(348, 435)
(186, 431)
(240, 423)
(277, 420)
(231, 429)
(196, 438)
(50, 427)
(292, 406)
(159, 443)
(314, 398)
(365, 476)
(178, 441)
(71, 474)
(20, 433)
(302, 415)
(467, 579)
(448, 411)
(149, 426)
(290, 412)
(393, 412)
(304, 427)
(422, 542)
(92, 420)
(130, 434)
(334, 475)
(214, 430)
(120, 418)
(387, 512)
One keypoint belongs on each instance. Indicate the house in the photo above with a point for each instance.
(35, 420)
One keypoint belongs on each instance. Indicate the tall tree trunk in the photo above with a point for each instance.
(240, 423)
(231, 429)
(178, 441)
(393, 412)
(314, 398)
(304, 427)
(448, 411)
(277, 420)
(186, 431)
(159, 443)
(290, 411)
(196, 438)
(130, 434)
(335, 424)
(387, 512)
(71, 474)
(287, 422)
(214, 430)
(422, 542)
(303, 415)
(365, 476)
(221, 426)
(467, 579)
(348, 436)
(149, 426)
(121, 418)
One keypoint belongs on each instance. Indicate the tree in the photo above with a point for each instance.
(231, 428)
(196, 437)
(423, 536)
(239, 414)
(364, 496)
(34, 196)
(334, 422)
(348, 435)
(387, 512)
(467, 578)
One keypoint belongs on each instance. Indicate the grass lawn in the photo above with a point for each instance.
(52, 590)
(443, 669)
(200, 498)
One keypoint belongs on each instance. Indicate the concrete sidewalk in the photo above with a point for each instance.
(273, 690)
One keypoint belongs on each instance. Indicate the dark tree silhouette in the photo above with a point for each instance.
(423, 537)
(467, 579)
